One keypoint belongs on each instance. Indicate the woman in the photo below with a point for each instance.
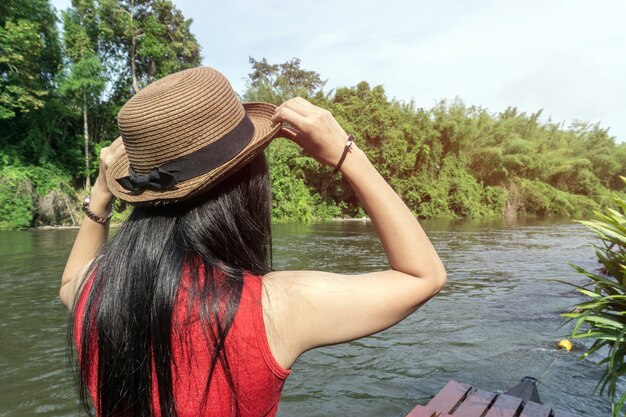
(181, 313)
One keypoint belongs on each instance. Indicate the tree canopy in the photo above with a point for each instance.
(59, 101)
(30, 55)
(275, 83)
(450, 161)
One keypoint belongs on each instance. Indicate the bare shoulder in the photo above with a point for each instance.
(288, 302)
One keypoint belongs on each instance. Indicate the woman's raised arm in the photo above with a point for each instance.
(91, 235)
(307, 309)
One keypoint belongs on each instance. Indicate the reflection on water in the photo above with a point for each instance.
(494, 323)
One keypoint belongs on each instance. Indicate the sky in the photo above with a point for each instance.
(566, 57)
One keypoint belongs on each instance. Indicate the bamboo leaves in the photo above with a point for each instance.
(603, 317)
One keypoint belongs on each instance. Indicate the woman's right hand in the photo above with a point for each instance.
(318, 133)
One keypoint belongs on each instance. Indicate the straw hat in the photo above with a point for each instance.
(183, 134)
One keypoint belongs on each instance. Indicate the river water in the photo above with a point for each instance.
(494, 323)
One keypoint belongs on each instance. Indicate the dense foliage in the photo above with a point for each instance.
(601, 316)
(449, 161)
(58, 102)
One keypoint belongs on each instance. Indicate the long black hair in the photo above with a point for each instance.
(129, 307)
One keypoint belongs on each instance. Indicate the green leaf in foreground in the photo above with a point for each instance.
(602, 317)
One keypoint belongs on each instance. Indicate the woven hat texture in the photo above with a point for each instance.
(177, 116)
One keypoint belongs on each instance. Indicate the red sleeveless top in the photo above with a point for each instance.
(258, 378)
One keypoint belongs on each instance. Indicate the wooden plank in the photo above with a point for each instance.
(476, 404)
(505, 406)
(468, 402)
(422, 411)
(561, 413)
(532, 409)
(449, 397)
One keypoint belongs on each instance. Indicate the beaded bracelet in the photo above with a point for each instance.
(349, 145)
(93, 216)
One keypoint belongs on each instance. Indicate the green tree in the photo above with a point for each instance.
(113, 48)
(143, 40)
(52, 105)
(276, 83)
(86, 80)
(29, 55)
(599, 148)
(20, 46)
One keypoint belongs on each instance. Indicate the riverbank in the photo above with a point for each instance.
(59, 210)
(32, 198)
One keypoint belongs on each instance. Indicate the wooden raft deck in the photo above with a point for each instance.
(457, 399)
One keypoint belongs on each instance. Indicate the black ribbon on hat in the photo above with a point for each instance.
(194, 164)
(156, 179)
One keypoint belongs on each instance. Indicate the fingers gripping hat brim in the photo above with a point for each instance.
(264, 131)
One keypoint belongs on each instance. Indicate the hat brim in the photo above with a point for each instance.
(264, 131)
